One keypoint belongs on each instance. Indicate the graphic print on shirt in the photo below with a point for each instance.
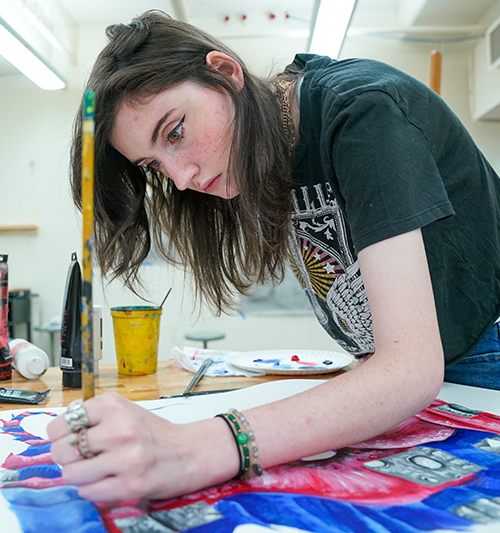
(323, 263)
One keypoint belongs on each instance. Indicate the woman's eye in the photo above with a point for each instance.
(154, 165)
(177, 134)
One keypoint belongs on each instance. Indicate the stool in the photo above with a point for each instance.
(53, 330)
(204, 336)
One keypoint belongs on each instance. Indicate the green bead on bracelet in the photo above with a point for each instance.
(242, 438)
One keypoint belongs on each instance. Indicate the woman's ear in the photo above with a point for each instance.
(226, 65)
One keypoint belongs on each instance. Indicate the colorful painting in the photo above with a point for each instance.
(437, 471)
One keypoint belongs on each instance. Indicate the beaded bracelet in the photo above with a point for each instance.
(256, 469)
(245, 442)
(231, 429)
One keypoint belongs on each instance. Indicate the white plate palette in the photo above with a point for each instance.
(300, 362)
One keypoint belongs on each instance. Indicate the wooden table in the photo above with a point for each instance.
(169, 379)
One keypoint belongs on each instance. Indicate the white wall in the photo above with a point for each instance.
(414, 58)
(34, 141)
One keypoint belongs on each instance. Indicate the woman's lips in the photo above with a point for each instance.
(212, 185)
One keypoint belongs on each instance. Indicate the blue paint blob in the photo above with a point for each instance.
(274, 362)
(45, 471)
(13, 429)
(54, 510)
(37, 450)
(324, 515)
(25, 437)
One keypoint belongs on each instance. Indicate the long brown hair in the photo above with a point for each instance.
(227, 244)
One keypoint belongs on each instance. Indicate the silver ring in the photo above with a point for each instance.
(76, 417)
(80, 442)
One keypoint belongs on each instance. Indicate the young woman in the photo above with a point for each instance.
(358, 172)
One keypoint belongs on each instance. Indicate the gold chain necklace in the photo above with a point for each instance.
(287, 119)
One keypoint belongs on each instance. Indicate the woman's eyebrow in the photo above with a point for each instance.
(158, 126)
(154, 137)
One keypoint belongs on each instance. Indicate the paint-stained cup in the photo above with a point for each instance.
(137, 333)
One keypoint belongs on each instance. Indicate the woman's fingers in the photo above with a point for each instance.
(111, 488)
(96, 410)
(102, 426)
(115, 442)
(126, 452)
(75, 446)
(89, 471)
(120, 465)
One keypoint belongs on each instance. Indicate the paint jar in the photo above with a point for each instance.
(29, 360)
(137, 334)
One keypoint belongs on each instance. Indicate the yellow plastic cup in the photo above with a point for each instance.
(137, 334)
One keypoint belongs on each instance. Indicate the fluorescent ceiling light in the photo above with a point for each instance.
(14, 50)
(330, 26)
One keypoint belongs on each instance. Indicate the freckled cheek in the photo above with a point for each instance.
(212, 150)
(214, 145)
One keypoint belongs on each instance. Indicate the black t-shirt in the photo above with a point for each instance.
(380, 154)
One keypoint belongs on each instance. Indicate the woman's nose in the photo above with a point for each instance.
(183, 176)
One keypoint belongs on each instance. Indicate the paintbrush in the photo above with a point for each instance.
(88, 239)
(199, 374)
(199, 393)
(166, 296)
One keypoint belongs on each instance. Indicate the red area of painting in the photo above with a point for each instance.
(482, 421)
(36, 442)
(18, 433)
(38, 483)
(20, 461)
(10, 423)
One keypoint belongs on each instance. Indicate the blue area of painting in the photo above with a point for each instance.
(45, 471)
(36, 450)
(25, 437)
(427, 518)
(322, 515)
(13, 429)
(54, 510)
(483, 484)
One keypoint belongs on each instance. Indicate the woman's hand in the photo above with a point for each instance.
(140, 455)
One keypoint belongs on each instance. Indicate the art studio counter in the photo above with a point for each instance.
(169, 379)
